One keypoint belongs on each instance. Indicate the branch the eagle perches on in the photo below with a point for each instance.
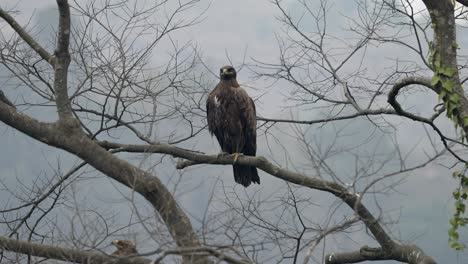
(391, 249)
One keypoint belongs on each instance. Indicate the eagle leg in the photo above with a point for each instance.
(236, 156)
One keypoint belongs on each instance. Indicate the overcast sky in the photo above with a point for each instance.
(248, 28)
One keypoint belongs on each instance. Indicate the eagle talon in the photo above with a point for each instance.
(236, 156)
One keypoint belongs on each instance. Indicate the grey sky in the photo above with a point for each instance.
(247, 27)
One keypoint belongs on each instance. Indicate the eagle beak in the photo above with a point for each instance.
(115, 242)
(225, 71)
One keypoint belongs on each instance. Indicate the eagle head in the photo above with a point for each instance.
(227, 72)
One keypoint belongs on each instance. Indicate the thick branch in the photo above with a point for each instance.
(64, 254)
(62, 62)
(364, 254)
(445, 55)
(26, 37)
(5, 99)
(200, 250)
(90, 257)
(389, 248)
(406, 253)
(77, 143)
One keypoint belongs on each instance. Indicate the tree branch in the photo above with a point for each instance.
(91, 257)
(364, 254)
(351, 199)
(4, 99)
(76, 142)
(445, 55)
(65, 254)
(364, 112)
(200, 250)
(26, 37)
(390, 248)
(406, 253)
(326, 233)
(62, 61)
(67, 134)
(392, 95)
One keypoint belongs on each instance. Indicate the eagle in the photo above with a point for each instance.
(124, 248)
(231, 118)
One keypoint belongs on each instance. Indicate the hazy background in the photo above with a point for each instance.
(240, 31)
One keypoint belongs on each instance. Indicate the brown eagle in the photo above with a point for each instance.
(231, 118)
(124, 248)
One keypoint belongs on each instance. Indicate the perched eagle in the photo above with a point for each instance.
(124, 248)
(231, 118)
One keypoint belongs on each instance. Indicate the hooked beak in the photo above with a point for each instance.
(225, 71)
(115, 242)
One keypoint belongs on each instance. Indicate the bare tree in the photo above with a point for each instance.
(120, 84)
(112, 98)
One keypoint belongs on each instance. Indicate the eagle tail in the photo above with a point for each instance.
(245, 175)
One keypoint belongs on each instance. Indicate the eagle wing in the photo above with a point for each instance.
(209, 113)
(249, 121)
(213, 118)
(232, 119)
(225, 118)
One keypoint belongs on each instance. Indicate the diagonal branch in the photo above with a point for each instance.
(390, 248)
(351, 199)
(5, 99)
(147, 185)
(26, 37)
